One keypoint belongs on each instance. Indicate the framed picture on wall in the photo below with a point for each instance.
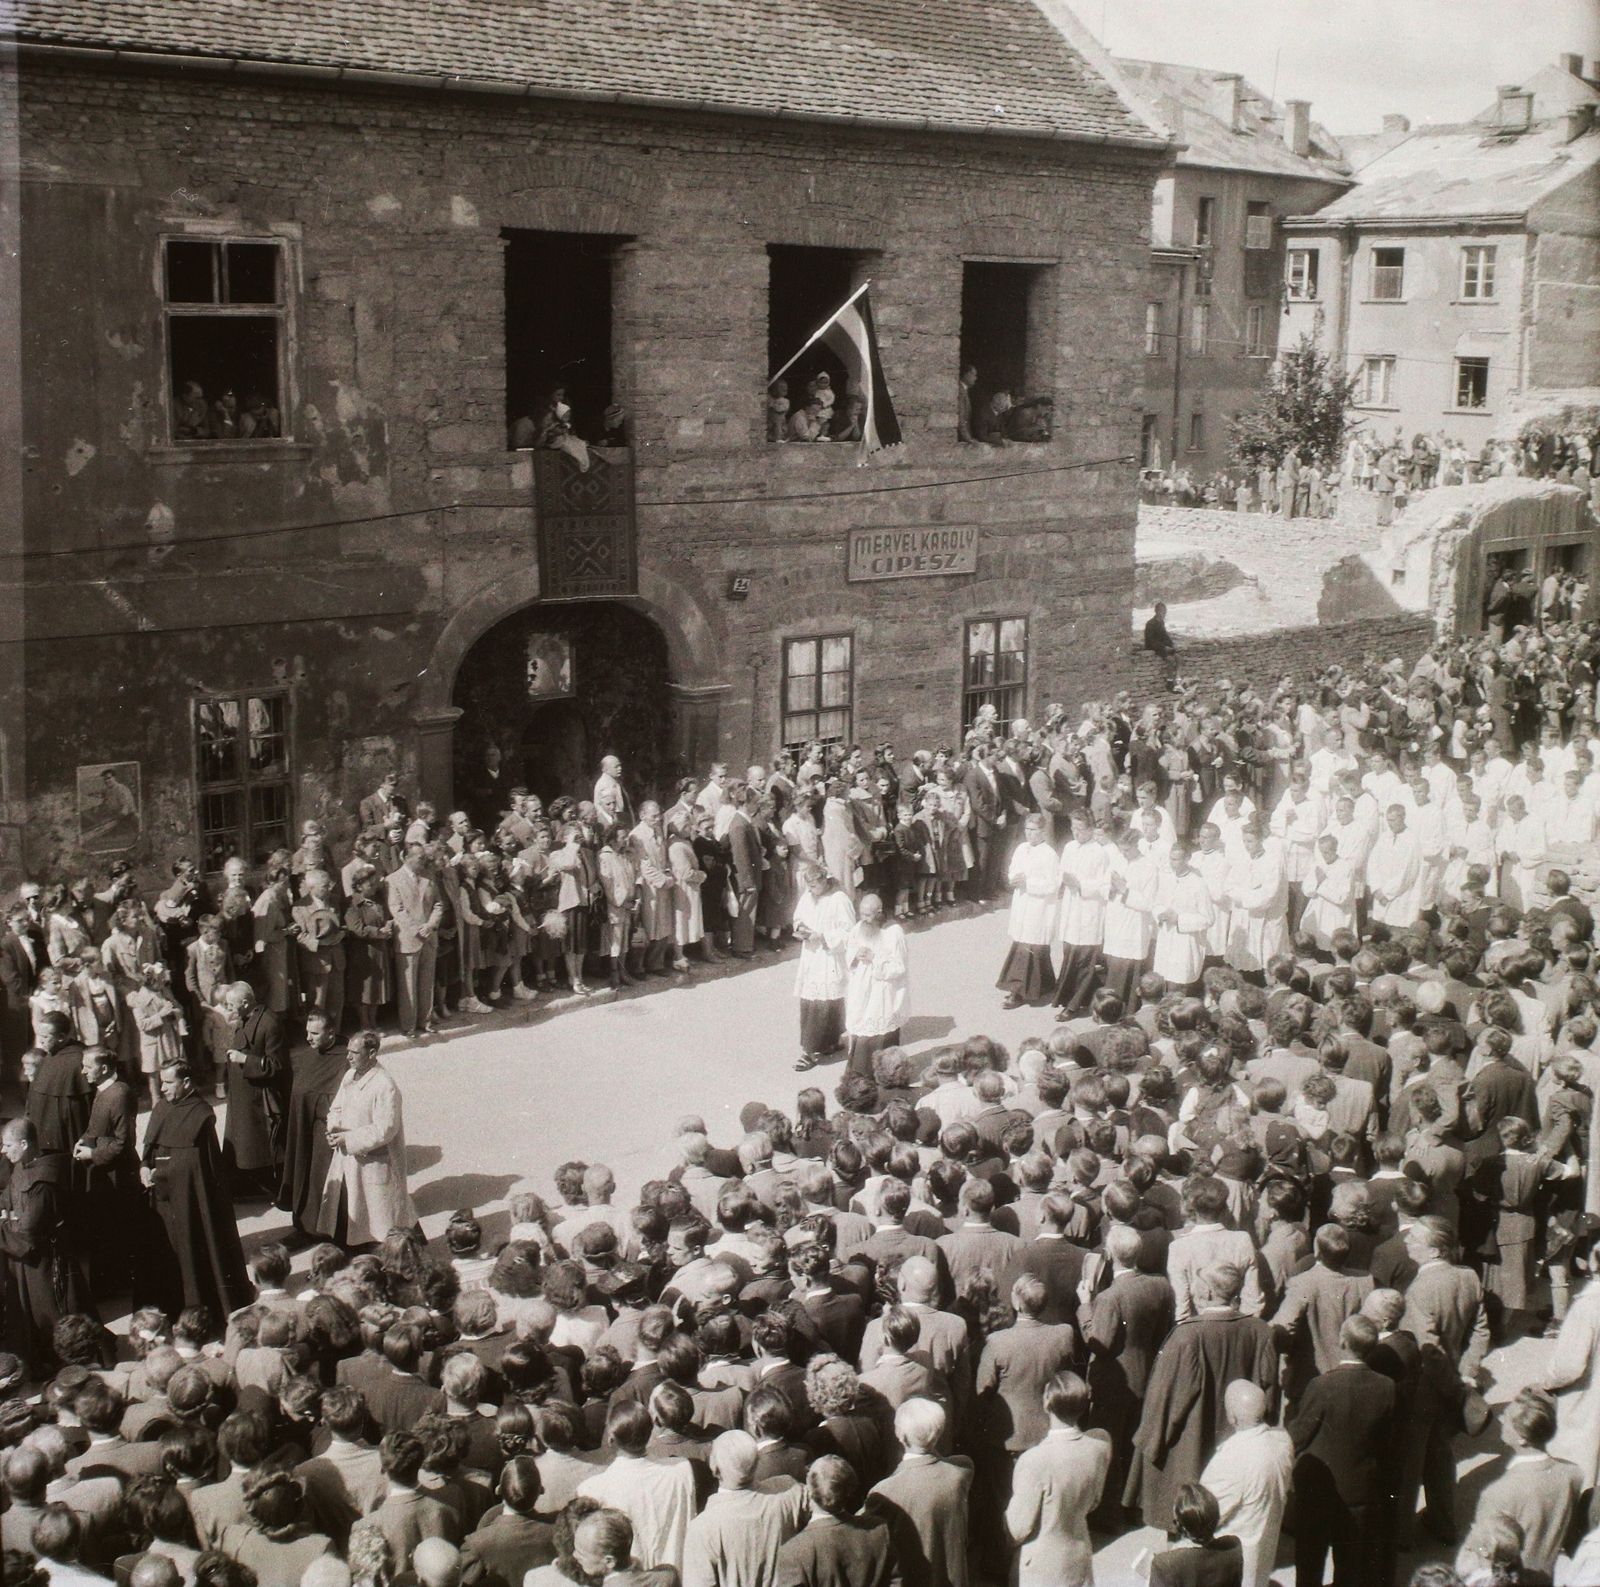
(550, 667)
(108, 807)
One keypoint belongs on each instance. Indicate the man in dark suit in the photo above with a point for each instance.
(377, 806)
(21, 958)
(770, 1419)
(925, 1501)
(1054, 1260)
(1124, 1330)
(1343, 1474)
(515, 1541)
(106, 1156)
(989, 822)
(840, 1545)
(396, 1401)
(744, 875)
(258, 1081)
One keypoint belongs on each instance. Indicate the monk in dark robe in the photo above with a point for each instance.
(58, 1099)
(318, 1069)
(42, 1282)
(258, 1079)
(106, 1164)
(183, 1170)
(1184, 1419)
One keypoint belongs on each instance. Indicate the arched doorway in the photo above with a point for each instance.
(552, 688)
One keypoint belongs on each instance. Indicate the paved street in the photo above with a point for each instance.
(525, 1091)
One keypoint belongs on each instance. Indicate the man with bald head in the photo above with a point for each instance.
(1250, 1476)
(735, 1539)
(157, 1570)
(926, 1500)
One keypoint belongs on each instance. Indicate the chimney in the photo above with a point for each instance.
(1297, 126)
(1397, 123)
(1580, 118)
(1572, 64)
(1514, 113)
(1225, 99)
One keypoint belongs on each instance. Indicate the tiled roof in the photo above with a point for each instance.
(1440, 172)
(980, 65)
(1182, 97)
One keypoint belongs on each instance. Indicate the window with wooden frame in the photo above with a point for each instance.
(818, 690)
(1376, 384)
(1255, 332)
(1300, 271)
(225, 311)
(1477, 273)
(243, 785)
(996, 668)
(1388, 274)
(1472, 382)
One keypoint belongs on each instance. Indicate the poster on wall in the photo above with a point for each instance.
(108, 807)
(549, 667)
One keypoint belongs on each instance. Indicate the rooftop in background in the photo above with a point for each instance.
(1445, 172)
(999, 66)
(1228, 124)
(1534, 138)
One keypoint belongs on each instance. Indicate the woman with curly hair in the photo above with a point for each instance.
(273, 1541)
(370, 1558)
(856, 1421)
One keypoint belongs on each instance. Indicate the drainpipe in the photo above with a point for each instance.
(1177, 366)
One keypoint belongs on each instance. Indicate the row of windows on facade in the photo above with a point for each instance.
(227, 306)
(1375, 385)
(1386, 274)
(242, 755)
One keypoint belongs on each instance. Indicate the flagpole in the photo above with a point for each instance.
(819, 330)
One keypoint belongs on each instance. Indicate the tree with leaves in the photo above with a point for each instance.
(1304, 405)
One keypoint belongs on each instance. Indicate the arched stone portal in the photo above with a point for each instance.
(687, 695)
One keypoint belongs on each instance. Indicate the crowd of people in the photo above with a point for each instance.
(1392, 470)
(1221, 1250)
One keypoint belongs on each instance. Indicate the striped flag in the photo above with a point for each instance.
(848, 332)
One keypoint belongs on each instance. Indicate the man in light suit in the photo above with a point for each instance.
(417, 909)
(1057, 1483)
(1250, 1474)
(925, 1502)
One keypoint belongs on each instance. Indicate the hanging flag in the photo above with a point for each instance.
(848, 332)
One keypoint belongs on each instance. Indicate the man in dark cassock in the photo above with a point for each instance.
(258, 1082)
(184, 1172)
(318, 1069)
(58, 1099)
(106, 1163)
(1184, 1419)
(42, 1282)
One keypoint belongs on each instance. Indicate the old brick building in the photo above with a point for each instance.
(387, 231)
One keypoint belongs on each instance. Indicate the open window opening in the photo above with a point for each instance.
(1005, 369)
(805, 286)
(224, 311)
(558, 289)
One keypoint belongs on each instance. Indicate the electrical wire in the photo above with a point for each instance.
(496, 506)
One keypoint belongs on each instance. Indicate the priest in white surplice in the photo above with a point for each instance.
(1028, 976)
(823, 920)
(1130, 918)
(1183, 919)
(1258, 893)
(1331, 891)
(1522, 841)
(877, 995)
(1394, 872)
(1085, 885)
